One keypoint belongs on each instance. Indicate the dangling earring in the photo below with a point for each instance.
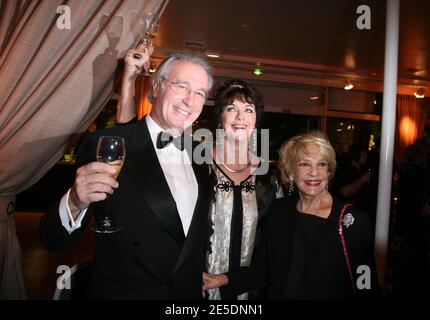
(326, 187)
(290, 187)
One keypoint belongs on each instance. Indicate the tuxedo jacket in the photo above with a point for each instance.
(323, 273)
(151, 258)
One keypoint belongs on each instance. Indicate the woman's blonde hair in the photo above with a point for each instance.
(292, 150)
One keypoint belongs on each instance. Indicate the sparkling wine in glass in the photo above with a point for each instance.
(111, 150)
(151, 32)
(147, 39)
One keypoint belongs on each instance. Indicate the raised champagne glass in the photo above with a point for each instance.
(151, 32)
(111, 150)
(147, 39)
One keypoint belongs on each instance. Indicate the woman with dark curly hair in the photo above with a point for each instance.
(241, 195)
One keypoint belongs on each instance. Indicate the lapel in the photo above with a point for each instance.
(197, 232)
(143, 165)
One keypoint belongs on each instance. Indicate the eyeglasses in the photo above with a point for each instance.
(182, 89)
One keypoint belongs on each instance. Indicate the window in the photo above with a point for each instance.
(344, 132)
(283, 126)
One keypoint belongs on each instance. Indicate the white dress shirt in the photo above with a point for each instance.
(178, 171)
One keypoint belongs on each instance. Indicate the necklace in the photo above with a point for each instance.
(236, 170)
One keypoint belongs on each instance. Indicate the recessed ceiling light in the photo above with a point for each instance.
(211, 54)
(258, 70)
(348, 86)
(419, 93)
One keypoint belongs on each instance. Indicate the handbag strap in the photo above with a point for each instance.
(345, 251)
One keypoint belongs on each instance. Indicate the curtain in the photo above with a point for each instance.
(410, 122)
(143, 106)
(57, 62)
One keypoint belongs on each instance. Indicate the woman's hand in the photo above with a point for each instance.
(137, 61)
(211, 281)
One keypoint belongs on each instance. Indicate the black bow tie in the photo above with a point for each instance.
(165, 138)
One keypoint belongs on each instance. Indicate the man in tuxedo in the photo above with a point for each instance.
(161, 197)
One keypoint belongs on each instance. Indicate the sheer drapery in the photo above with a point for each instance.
(410, 121)
(54, 81)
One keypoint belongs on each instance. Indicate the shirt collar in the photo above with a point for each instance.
(153, 127)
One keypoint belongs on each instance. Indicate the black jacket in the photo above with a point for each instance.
(324, 273)
(150, 258)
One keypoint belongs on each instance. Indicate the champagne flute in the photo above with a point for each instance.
(147, 39)
(111, 150)
(151, 32)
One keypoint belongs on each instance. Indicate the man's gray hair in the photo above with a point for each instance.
(165, 66)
